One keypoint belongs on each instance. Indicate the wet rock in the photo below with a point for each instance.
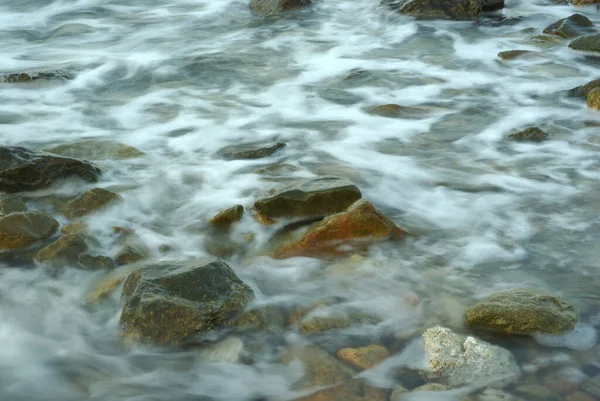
(530, 134)
(19, 230)
(444, 9)
(309, 198)
(593, 99)
(166, 302)
(536, 392)
(227, 217)
(37, 76)
(523, 311)
(74, 228)
(588, 43)
(12, 204)
(249, 151)
(95, 262)
(88, 202)
(63, 252)
(354, 229)
(580, 396)
(565, 381)
(492, 5)
(96, 149)
(397, 111)
(583, 2)
(583, 90)
(222, 244)
(398, 393)
(570, 27)
(277, 170)
(275, 7)
(22, 169)
(514, 54)
(227, 350)
(363, 357)
(456, 360)
(107, 285)
(131, 253)
(322, 323)
(592, 387)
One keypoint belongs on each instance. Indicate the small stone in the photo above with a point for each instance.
(588, 43)
(19, 230)
(63, 252)
(227, 217)
(583, 90)
(593, 98)
(96, 149)
(88, 202)
(12, 204)
(514, 54)
(320, 324)
(570, 27)
(95, 262)
(74, 228)
(565, 381)
(363, 357)
(592, 386)
(165, 248)
(531, 134)
(275, 7)
(249, 151)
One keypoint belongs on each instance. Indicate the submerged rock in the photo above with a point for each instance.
(166, 302)
(22, 169)
(88, 261)
(88, 202)
(37, 76)
(456, 360)
(584, 90)
(492, 5)
(309, 198)
(570, 27)
(63, 252)
(19, 230)
(274, 7)
(588, 43)
(593, 98)
(354, 229)
(583, 2)
(227, 217)
(397, 111)
(523, 311)
(12, 204)
(592, 386)
(249, 151)
(445, 9)
(363, 357)
(531, 134)
(514, 54)
(96, 149)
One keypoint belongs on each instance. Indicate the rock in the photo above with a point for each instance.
(46, 75)
(492, 5)
(583, 2)
(580, 396)
(19, 230)
(397, 111)
(88, 202)
(107, 285)
(445, 9)
(583, 90)
(495, 394)
(74, 228)
(356, 228)
(12, 204)
(570, 27)
(249, 151)
(588, 43)
(592, 387)
(95, 262)
(227, 350)
(166, 302)
(398, 393)
(531, 134)
(593, 99)
(227, 217)
(309, 198)
(23, 169)
(277, 170)
(565, 381)
(275, 7)
(513, 54)
(133, 250)
(363, 357)
(96, 149)
(523, 311)
(63, 252)
(536, 392)
(456, 361)
(321, 323)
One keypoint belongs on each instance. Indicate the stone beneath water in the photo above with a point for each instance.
(514, 54)
(249, 151)
(588, 43)
(63, 252)
(531, 134)
(397, 111)
(37, 76)
(91, 262)
(593, 98)
(492, 5)
(225, 218)
(88, 202)
(23, 169)
(354, 229)
(570, 27)
(309, 198)
(592, 386)
(166, 302)
(12, 204)
(581, 338)
(363, 357)
(96, 149)
(275, 7)
(523, 311)
(20, 230)
(444, 9)
(457, 361)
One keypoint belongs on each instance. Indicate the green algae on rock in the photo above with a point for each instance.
(443, 9)
(37, 76)
(96, 149)
(593, 98)
(88, 202)
(523, 311)
(530, 134)
(19, 230)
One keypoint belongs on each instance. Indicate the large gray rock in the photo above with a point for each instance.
(588, 43)
(523, 311)
(274, 7)
(96, 149)
(571, 27)
(445, 9)
(457, 360)
(20, 230)
(23, 169)
(167, 302)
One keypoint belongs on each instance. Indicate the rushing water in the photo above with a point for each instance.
(180, 79)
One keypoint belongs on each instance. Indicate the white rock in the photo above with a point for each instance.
(457, 360)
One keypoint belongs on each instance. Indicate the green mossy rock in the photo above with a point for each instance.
(96, 149)
(88, 202)
(37, 76)
(593, 99)
(20, 230)
(584, 90)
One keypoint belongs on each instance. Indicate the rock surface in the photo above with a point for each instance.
(12, 204)
(593, 98)
(514, 54)
(588, 43)
(592, 386)
(88, 202)
(457, 361)
(249, 151)
(363, 357)
(444, 9)
(63, 252)
(309, 198)
(166, 302)
(37, 76)
(570, 27)
(583, 90)
(22, 169)
(19, 230)
(531, 134)
(133, 250)
(96, 149)
(87, 261)
(225, 218)
(397, 111)
(523, 311)
(492, 5)
(354, 229)
(275, 7)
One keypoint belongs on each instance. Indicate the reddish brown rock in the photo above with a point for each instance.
(227, 217)
(363, 357)
(357, 227)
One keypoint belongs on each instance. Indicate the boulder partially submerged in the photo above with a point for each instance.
(249, 151)
(96, 149)
(588, 43)
(443, 9)
(530, 134)
(584, 90)
(64, 251)
(20, 230)
(571, 27)
(88, 202)
(275, 7)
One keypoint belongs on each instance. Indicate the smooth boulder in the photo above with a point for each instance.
(12, 204)
(443, 9)
(570, 27)
(96, 149)
(23, 169)
(63, 252)
(88, 202)
(249, 151)
(275, 7)
(166, 302)
(20, 230)
(588, 43)
(584, 90)
(523, 311)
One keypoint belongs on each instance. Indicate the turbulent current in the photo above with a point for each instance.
(180, 79)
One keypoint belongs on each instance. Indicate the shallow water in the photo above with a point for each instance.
(181, 79)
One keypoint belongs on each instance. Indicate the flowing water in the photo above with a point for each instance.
(179, 79)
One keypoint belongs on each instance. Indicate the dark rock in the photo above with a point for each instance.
(397, 111)
(74, 228)
(339, 96)
(445, 9)
(225, 218)
(166, 302)
(19, 230)
(96, 149)
(492, 5)
(309, 198)
(570, 27)
(514, 54)
(274, 7)
(88, 202)
(46, 75)
(23, 169)
(531, 134)
(249, 151)
(593, 99)
(583, 2)
(132, 251)
(588, 43)
(12, 204)
(583, 90)
(592, 386)
(63, 252)
(95, 262)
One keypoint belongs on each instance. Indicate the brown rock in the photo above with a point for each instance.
(397, 111)
(249, 151)
(593, 98)
(88, 202)
(320, 324)
(74, 228)
(96, 149)
(584, 90)
(19, 230)
(363, 357)
(445, 9)
(227, 217)
(514, 54)
(95, 262)
(570, 27)
(63, 252)
(584, 2)
(274, 7)
(358, 227)
(12, 204)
